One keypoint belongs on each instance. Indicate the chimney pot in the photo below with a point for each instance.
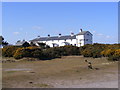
(72, 34)
(81, 30)
(48, 35)
(38, 36)
(59, 34)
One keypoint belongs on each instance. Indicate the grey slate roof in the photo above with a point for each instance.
(19, 43)
(54, 38)
(82, 33)
(58, 38)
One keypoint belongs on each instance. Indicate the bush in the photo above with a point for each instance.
(22, 52)
(70, 50)
(37, 53)
(51, 53)
(114, 58)
(8, 51)
(87, 53)
(28, 52)
(91, 52)
(95, 51)
(107, 52)
(117, 52)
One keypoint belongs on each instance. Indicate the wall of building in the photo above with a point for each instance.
(80, 40)
(88, 38)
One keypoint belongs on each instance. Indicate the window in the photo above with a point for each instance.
(86, 39)
(87, 34)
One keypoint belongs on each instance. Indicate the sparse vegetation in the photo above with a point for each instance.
(60, 72)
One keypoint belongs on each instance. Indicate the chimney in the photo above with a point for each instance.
(59, 34)
(38, 36)
(48, 35)
(19, 41)
(81, 30)
(72, 34)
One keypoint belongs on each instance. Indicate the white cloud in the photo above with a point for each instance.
(36, 27)
(16, 33)
(99, 34)
(107, 36)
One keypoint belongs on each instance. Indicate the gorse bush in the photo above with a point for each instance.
(22, 52)
(108, 52)
(115, 56)
(91, 50)
(8, 51)
(70, 50)
(95, 51)
(27, 52)
(38, 53)
(99, 50)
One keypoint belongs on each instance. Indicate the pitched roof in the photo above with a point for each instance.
(82, 33)
(19, 43)
(54, 38)
(58, 38)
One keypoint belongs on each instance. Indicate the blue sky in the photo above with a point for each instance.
(27, 20)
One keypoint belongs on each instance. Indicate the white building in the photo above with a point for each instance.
(80, 39)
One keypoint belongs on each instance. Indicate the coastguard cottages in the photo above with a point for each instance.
(80, 39)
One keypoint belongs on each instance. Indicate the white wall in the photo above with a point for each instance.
(80, 40)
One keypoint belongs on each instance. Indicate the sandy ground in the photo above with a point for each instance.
(65, 72)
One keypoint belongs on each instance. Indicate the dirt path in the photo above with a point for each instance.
(67, 72)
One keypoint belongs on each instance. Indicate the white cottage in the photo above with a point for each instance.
(80, 39)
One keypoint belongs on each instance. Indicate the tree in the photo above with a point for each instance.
(2, 42)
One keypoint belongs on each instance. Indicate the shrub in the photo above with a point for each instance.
(70, 50)
(28, 52)
(22, 52)
(37, 53)
(51, 53)
(117, 52)
(96, 53)
(108, 52)
(114, 58)
(98, 50)
(8, 51)
(87, 53)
